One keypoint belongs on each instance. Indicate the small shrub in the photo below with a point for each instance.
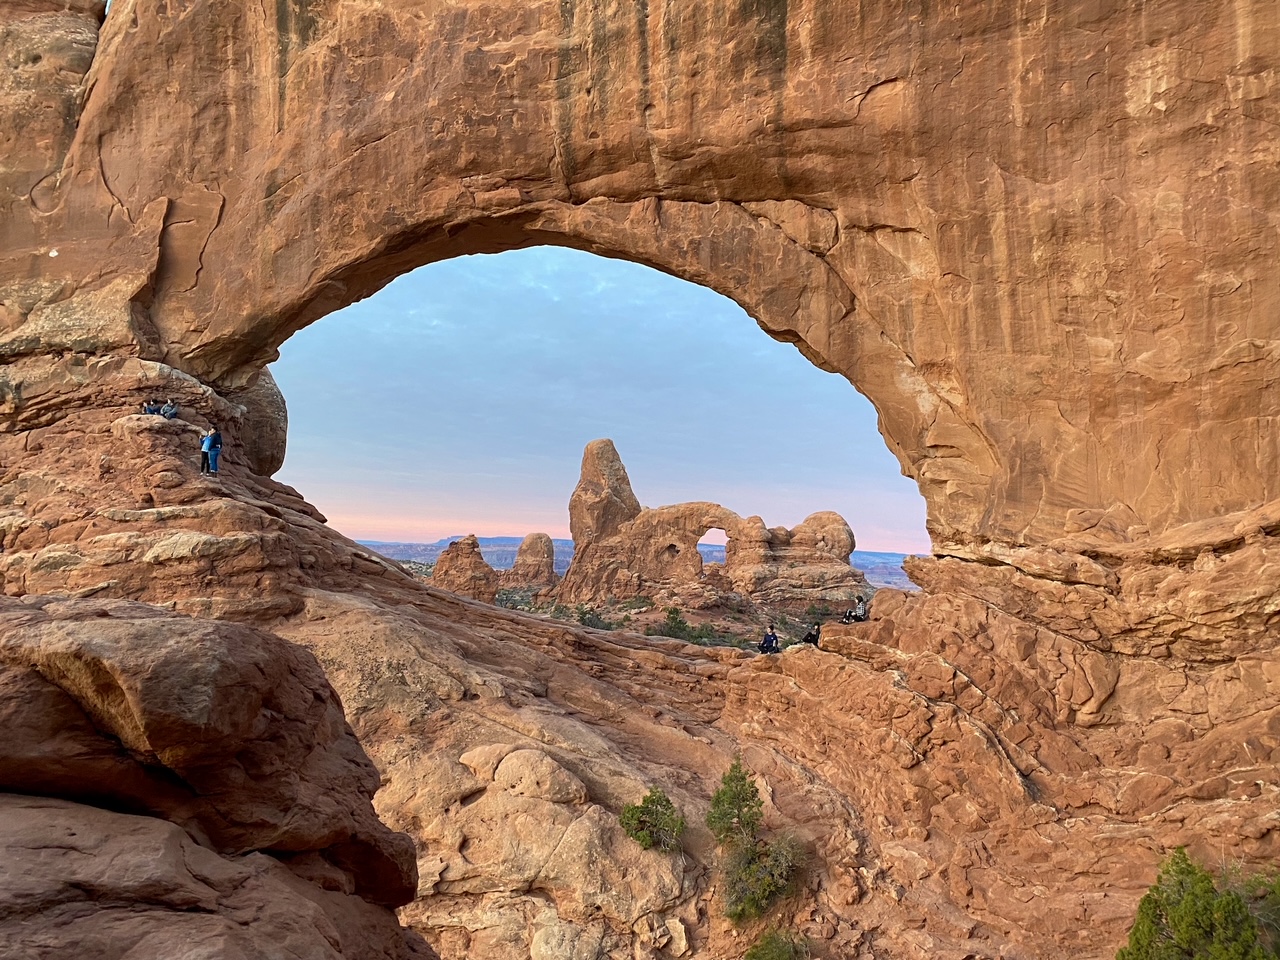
(653, 822)
(736, 807)
(814, 612)
(1261, 893)
(776, 945)
(515, 599)
(757, 874)
(637, 604)
(678, 628)
(1185, 917)
(560, 612)
(590, 618)
(674, 626)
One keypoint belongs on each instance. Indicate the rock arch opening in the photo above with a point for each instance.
(459, 398)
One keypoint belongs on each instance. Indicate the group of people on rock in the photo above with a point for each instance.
(855, 614)
(168, 410)
(210, 440)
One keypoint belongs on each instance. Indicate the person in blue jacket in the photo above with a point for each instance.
(210, 448)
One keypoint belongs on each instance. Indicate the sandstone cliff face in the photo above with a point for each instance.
(623, 550)
(1038, 239)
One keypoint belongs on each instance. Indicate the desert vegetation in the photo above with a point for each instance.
(1188, 915)
(757, 870)
(654, 821)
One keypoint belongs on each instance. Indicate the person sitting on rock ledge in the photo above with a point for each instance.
(151, 408)
(815, 632)
(169, 410)
(770, 642)
(856, 614)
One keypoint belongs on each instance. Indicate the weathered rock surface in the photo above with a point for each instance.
(462, 569)
(535, 565)
(80, 881)
(265, 425)
(1040, 240)
(623, 550)
(1042, 341)
(224, 730)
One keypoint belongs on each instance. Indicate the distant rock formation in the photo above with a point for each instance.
(624, 550)
(535, 565)
(462, 569)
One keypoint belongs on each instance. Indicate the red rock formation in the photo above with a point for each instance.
(535, 565)
(265, 424)
(462, 569)
(1037, 239)
(623, 550)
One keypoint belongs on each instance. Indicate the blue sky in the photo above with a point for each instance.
(458, 400)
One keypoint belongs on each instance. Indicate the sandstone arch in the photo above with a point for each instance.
(622, 550)
(1040, 237)
(586, 130)
(1059, 358)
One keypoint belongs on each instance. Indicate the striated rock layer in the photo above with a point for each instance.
(1039, 239)
(622, 550)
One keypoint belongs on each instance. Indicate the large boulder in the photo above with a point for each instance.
(225, 730)
(264, 429)
(79, 881)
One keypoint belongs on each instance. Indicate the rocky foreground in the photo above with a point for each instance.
(1040, 240)
(967, 783)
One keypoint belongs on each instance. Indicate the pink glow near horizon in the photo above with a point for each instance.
(360, 524)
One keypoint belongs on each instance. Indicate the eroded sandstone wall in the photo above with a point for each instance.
(1037, 238)
(1040, 238)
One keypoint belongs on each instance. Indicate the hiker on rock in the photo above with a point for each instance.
(770, 642)
(857, 613)
(169, 410)
(151, 408)
(813, 635)
(210, 448)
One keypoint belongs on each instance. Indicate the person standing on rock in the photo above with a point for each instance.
(770, 642)
(210, 449)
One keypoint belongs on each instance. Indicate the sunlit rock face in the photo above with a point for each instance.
(622, 550)
(462, 569)
(1039, 240)
(1007, 230)
(535, 564)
